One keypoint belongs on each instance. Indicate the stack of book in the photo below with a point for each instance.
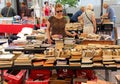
(49, 62)
(6, 60)
(76, 54)
(39, 56)
(74, 62)
(17, 53)
(108, 60)
(38, 62)
(97, 58)
(116, 57)
(59, 44)
(69, 42)
(87, 62)
(49, 53)
(63, 54)
(23, 59)
(38, 59)
(75, 58)
(61, 62)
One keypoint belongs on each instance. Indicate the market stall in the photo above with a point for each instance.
(13, 28)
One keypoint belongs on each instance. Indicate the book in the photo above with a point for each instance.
(6, 57)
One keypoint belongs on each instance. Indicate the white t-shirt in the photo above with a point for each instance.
(87, 22)
(88, 25)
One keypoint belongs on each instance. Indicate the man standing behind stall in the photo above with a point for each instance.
(8, 11)
(110, 12)
(24, 10)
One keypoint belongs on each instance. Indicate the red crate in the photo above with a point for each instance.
(40, 74)
(14, 76)
(86, 74)
(65, 73)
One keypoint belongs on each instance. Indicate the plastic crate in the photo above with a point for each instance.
(38, 76)
(14, 76)
(86, 74)
(65, 73)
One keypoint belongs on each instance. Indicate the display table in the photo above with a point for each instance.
(104, 67)
(13, 28)
(11, 49)
(105, 27)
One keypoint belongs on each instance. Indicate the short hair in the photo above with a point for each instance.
(58, 6)
(105, 4)
(8, 3)
(23, 3)
(82, 8)
(45, 2)
(89, 6)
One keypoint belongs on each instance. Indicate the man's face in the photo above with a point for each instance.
(83, 9)
(105, 6)
(8, 4)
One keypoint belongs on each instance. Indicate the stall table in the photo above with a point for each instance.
(13, 28)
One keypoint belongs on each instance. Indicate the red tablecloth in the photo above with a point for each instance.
(13, 28)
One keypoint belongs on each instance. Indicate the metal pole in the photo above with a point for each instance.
(40, 13)
(34, 2)
(101, 7)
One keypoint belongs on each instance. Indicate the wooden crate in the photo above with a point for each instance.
(86, 42)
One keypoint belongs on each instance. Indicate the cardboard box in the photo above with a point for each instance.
(98, 82)
(59, 82)
(54, 80)
(79, 81)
